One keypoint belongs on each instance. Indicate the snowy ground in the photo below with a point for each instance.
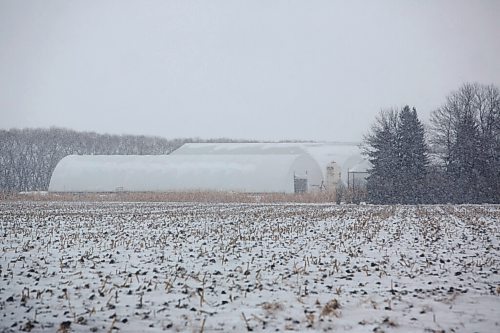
(133, 267)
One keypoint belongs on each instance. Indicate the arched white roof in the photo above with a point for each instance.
(346, 155)
(240, 149)
(244, 173)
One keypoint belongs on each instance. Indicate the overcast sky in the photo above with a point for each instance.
(268, 70)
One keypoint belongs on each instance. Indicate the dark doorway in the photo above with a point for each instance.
(300, 184)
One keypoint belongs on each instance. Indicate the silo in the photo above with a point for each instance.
(332, 176)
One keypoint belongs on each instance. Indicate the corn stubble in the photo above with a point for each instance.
(198, 267)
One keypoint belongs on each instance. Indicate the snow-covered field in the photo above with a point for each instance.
(134, 267)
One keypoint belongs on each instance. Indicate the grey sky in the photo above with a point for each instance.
(266, 70)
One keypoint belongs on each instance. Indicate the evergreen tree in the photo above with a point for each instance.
(413, 160)
(398, 152)
(464, 161)
(381, 149)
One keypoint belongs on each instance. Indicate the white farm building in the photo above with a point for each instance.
(240, 167)
(161, 173)
(335, 159)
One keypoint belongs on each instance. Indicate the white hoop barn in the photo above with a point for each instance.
(164, 173)
(238, 167)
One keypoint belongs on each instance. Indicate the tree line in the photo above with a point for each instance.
(29, 156)
(457, 160)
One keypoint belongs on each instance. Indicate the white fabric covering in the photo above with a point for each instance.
(346, 155)
(216, 172)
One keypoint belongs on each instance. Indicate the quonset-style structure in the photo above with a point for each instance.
(165, 173)
(239, 167)
(338, 161)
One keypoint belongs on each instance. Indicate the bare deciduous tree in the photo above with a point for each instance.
(466, 136)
